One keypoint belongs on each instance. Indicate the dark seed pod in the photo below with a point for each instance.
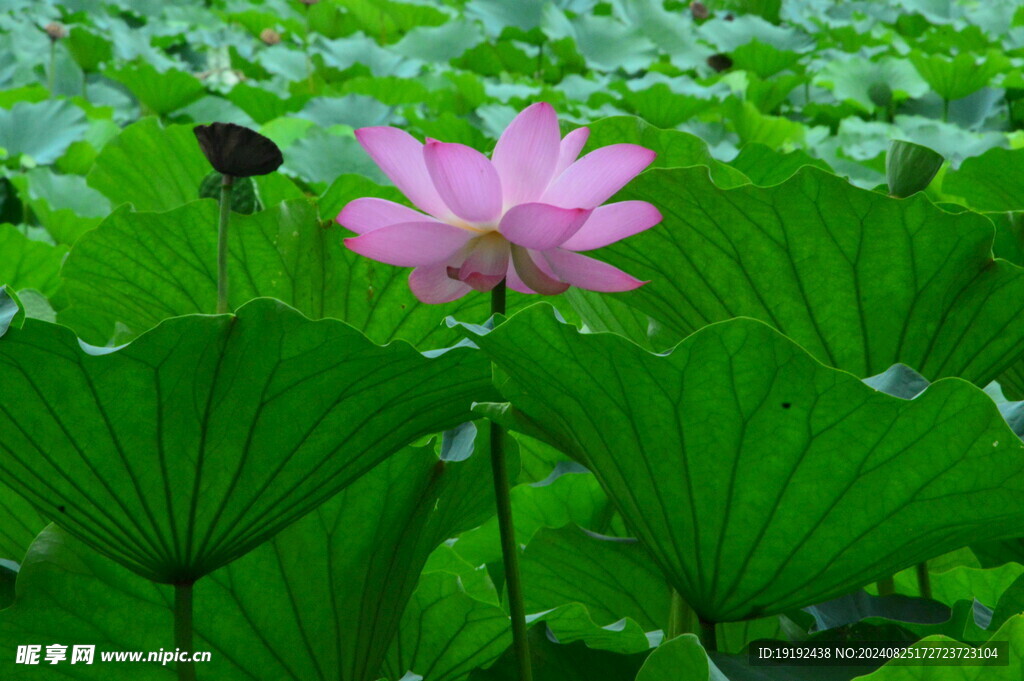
(237, 151)
(720, 62)
(699, 10)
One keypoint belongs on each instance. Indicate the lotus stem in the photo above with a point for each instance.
(509, 548)
(924, 580)
(708, 636)
(183, 629)
(886, 587)
(51, 77)
(222, 243)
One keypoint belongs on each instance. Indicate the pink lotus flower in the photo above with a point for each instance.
(520, 215)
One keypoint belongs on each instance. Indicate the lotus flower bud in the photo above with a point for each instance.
(56, 31)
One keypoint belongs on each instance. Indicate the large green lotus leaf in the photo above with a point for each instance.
(25, 263)
(446, 631)
(963, 583)
(262, 104)
(602, 312)
(959, 76)
(19, 524)
(63, 204)
(323, 599)
(859, 279)
(754, 127)
(680, 658)
(853, 80)
(151, 167)
(663, 107)
(139, 268)
(563, 661)
(613, 577)
(320, 156)
(207, 435)
(571, 497)
(8, 576)
(766, 166)
(861, 484)
(905, 670)
(1010, 603)
(158, 92)
(993, 181)
(676, 149)
(454, 623)
(42, 130)
(762, 58)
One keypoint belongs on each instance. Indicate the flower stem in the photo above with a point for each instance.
(509, 548)
(924, 580)
(886, 586)
(51, 76)
(222, 244)
(183, 629)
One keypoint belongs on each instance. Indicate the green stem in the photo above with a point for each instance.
(924, 580)
(708, 636)
(183, 629)
(681, 617)
(509, 548)
(51, 77)
(945, 110)
(222, 244)
(886, 587)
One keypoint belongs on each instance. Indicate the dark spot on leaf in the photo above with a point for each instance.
(61, 509)
(720, 62)
(786, 405)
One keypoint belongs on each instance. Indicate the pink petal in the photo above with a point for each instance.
(570, 147)
(540, 226)
(533, 275)
(368, 214)
(588, 273)
(465, 179)
(411, 244)
(400, 156)
(591, 180)
(526, 155)
(513, 281)
(431, 284)
(612, 222)
(486, 264)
